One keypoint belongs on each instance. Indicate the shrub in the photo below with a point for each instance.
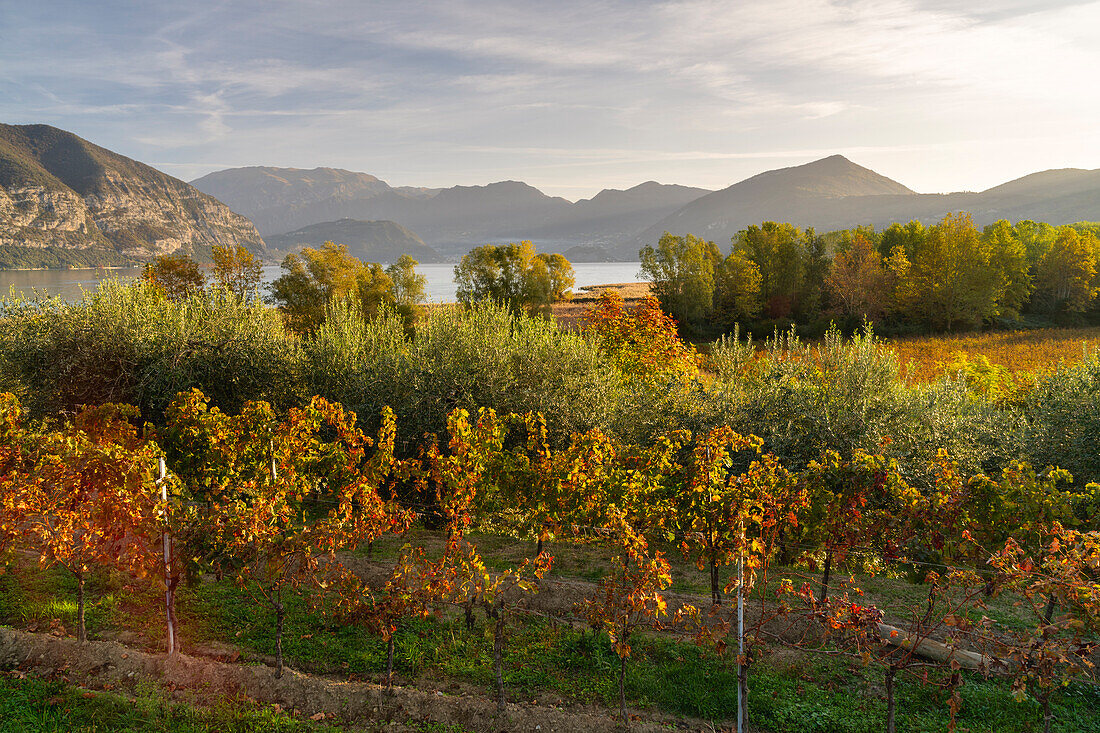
(1063, 419)
(802, 400)
(482, 356)
(847, 395)
(130, 344)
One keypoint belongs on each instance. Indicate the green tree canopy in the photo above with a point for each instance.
(736, 291)
(409, 286)
(1037, 237)
(951, 280)
(318, 276)
(907, 236)
(1066, 275)
(552, 277)
(514, 275)
(681, 270)
(1008, 257)
(781, 253)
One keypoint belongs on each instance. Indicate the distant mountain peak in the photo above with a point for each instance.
(834, 175)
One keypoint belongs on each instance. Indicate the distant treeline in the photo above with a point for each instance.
(906, 277)
(14, 257)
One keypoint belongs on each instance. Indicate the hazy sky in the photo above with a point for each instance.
(569, 96)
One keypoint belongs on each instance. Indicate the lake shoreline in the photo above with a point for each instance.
(68, 283)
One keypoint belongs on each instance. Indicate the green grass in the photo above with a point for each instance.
(888, 590)
(40, 706)
(789, 691)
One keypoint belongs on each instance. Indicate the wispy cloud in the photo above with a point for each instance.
(428, 93)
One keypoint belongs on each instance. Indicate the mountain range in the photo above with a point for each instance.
(451, 220)
(834, 193)
(828, 194)
(88, 205)
(60, 191)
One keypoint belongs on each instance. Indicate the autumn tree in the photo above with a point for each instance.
(266, 533)
(1021, 506)
(643, 343)
(936, 631)
(624, 493)
(415, 587)
(628, 597)
(855, 502)
(91, 497)
(456, 473)
(176, 275)
(861, 282)
(499, 594)
(767, 501)
(1050, 652)
(709, 500)
(14, 508)
(236, 269)
(525, 498)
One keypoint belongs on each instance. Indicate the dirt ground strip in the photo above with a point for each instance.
(110, 665)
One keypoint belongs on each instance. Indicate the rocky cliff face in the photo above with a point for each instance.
(58, 190)
(37, 216)
(151, 216)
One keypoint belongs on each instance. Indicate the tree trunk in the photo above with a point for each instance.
(172, 622)
(538, 547)
(954, 702)
(81, 629)
(498, 656)
(743, 694)
(1048, 717)
(370, 550)
(389, 663)
(715, 591)
(825, 575)
(1048, 612)
(622, 688)
(280, 613)
(468, 609)
(891, 705)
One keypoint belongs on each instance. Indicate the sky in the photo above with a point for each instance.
(571, 97)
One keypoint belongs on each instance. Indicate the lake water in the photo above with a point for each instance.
(441, 287)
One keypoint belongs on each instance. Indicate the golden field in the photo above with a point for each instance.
(921, 358)
(925, 358)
